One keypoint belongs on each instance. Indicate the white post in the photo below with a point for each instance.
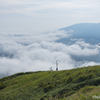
(56, 65)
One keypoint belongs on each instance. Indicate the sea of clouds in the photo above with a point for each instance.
(33, 51)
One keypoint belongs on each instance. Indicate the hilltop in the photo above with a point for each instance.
(75, 84)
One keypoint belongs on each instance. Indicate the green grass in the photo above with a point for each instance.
(74, 84)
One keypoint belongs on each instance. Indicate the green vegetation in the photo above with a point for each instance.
(2, 86)
(75, 84)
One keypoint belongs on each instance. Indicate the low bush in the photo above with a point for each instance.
(2, 86)
(70, 79)
(42, 84)
(82, 78)
(47, 88)
(87, 89)
(95, 81)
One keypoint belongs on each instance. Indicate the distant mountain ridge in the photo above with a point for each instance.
(90, 32)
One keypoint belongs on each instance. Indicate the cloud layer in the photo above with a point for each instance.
(21, 52)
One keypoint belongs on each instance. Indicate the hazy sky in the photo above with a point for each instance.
(45, 15)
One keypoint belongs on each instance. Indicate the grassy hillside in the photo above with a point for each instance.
(74, 84)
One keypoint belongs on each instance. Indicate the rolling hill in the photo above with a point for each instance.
(75, 84)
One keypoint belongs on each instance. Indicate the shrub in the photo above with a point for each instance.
(2, 86)
(58, 82)
(42, 84)
(82, 78)
(87, 89)
(48, 87)
(79, 73)
(70, 79)
(95, 81)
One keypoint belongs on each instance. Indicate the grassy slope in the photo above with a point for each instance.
(86, 93)
(76, 84)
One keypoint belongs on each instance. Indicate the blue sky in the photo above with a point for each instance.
(46, 15)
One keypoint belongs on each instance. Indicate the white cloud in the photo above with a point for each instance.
(33, 37)
(80, 48)
(41, 55)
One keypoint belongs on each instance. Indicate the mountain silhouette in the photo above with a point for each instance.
(89, 32)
